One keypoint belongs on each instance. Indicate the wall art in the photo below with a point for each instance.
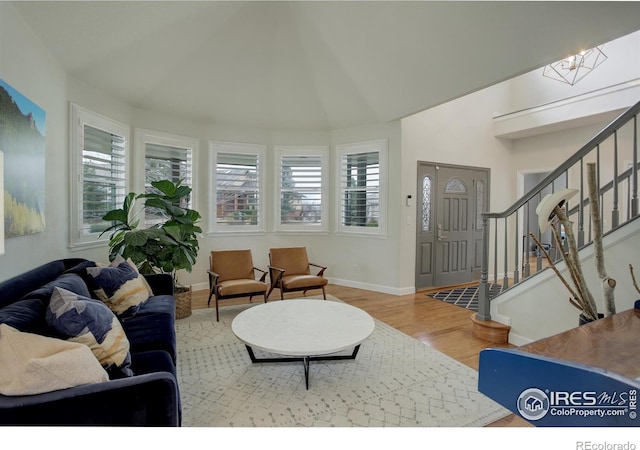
(22, 139)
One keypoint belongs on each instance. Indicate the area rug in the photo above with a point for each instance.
(466, 297)
(395, 381)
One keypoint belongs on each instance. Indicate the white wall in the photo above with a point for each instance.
(541, 308)
(25, 65)
(458, 132)
(351, 261)
(532, 89)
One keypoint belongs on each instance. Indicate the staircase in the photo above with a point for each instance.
(533, 301)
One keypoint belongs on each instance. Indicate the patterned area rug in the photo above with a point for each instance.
(395, 381)
(466, 297)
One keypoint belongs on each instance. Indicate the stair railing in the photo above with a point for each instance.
(512, 227)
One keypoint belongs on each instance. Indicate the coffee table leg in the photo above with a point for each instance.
(251, 354)
(305, 361)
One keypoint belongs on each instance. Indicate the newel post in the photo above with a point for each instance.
(484, 305)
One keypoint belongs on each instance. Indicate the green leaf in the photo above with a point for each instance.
(118, 215)
(136, 238)
(181, 192)
(156, 202)
(165, 186)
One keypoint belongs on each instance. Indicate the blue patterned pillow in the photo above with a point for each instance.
(121, 287)
(88, 321)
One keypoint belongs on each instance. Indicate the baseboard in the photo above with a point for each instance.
(341, 282)
(372, 287)
(200, 287)
(518, 340)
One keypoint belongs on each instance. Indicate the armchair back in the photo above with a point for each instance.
(293, 260)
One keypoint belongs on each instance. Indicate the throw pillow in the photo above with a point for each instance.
(88, 321)
(120, 287)
(119, 260)
(32, 364)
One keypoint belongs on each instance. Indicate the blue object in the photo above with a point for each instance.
(549, 392)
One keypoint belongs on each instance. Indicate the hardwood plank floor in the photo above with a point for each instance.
(445, 327)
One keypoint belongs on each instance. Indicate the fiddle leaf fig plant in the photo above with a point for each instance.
(167, 246)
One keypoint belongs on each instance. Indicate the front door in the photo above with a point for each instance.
(449, 232)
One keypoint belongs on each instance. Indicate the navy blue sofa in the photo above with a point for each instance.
(148, 398)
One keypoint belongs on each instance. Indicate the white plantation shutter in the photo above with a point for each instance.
(362, 185)
(361, 189)
(103, 176)
(163, 162)
(302, 203)
(238, 189)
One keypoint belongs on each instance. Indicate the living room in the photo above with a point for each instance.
(354, 259)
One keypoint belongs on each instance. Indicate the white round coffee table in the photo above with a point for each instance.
(303, 329)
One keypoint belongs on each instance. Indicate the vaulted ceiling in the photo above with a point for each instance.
(305, 65)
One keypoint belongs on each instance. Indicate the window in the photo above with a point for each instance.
(166, 157)
(301, 188)
(99, 152)
(455, 185)
(426, 204)
(362, 187)
(238, 187)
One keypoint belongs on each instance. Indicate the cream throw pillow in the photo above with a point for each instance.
(32, 364)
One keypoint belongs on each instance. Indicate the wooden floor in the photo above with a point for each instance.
(445, 327)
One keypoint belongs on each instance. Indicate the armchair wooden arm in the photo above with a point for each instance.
(275, 275)
(263, 272)
(322, 269)
(213, 278)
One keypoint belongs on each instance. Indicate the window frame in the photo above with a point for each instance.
(258, 150)
(322, 151)
(79, 118)
(142, 137)
(381, 147)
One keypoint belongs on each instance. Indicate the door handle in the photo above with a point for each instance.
(440, 236)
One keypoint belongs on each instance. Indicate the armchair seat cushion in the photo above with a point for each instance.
(239, 287)
(297, 282)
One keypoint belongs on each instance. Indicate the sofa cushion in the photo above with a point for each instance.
(90, 322)
(80, 269)
(20, 285)
(121, 287)
(70, 282)
(153, 326)
(32, 364)
(26, 315)
(153, 361)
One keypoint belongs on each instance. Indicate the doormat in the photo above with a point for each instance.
(466, 297)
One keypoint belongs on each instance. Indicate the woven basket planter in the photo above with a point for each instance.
(183, 304)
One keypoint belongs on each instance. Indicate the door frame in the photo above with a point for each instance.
(435, 166)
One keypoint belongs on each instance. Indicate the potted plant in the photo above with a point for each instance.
(167, 246)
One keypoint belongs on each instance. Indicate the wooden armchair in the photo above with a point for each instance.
(232, 275)
(290, 270)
